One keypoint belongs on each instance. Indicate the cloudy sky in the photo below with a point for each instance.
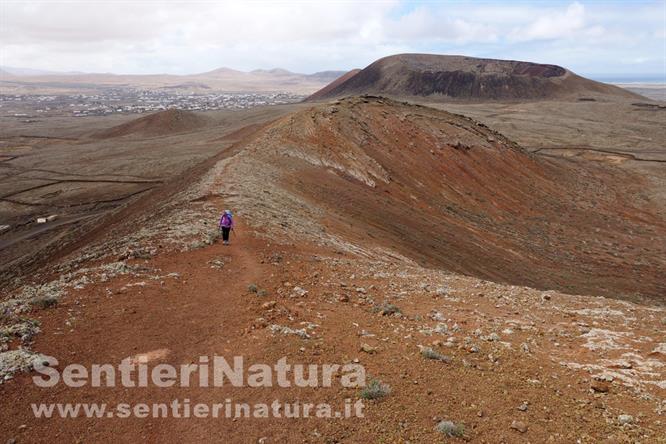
(143, 36)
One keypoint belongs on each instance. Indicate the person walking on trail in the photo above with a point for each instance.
(226, 225)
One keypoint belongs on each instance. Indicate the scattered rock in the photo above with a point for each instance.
(216, 263)
(659, 349)
(493, 337)
(625, 419)
(519, 426)
(387, 309)
(299, 292)
(440, 328)
(437, 316)
(301, 333)
(621, 364)
(14, 361)
(600, 386)
(368, 348)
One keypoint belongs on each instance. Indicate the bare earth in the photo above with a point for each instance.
(534, 274)
(654, 91)
(82, 169)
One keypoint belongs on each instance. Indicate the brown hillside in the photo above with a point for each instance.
(167, 122)
(449, 192)
(348, 216)
(467, 78)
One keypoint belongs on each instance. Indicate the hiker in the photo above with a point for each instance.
(226, 225)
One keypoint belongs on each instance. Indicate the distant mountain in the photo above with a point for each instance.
(219, 72)
(327, 75)
(324, 76)
(223, 71)
(275, 72)
(14, 71)
(220, 80)
(443, 77)
(323, 93)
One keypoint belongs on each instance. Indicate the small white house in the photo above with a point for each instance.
(43, 220)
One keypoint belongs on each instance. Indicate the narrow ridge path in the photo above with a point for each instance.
(201, 312)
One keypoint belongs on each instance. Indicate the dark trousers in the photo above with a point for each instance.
(225, 233)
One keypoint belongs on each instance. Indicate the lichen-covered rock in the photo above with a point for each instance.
(15, 361)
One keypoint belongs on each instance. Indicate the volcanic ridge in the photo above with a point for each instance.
(163, 123)
(450, 77)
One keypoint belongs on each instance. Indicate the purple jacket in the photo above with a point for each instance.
(226, 221)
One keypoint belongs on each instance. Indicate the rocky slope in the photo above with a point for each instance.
(326, 268)
(441, 77)
(449, 192)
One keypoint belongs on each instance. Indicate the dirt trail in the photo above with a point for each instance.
(199, 313)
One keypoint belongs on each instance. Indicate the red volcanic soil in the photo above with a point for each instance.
(441, 77)
(207, 311)
(347, 214)
(167, 122)
(450, 192)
